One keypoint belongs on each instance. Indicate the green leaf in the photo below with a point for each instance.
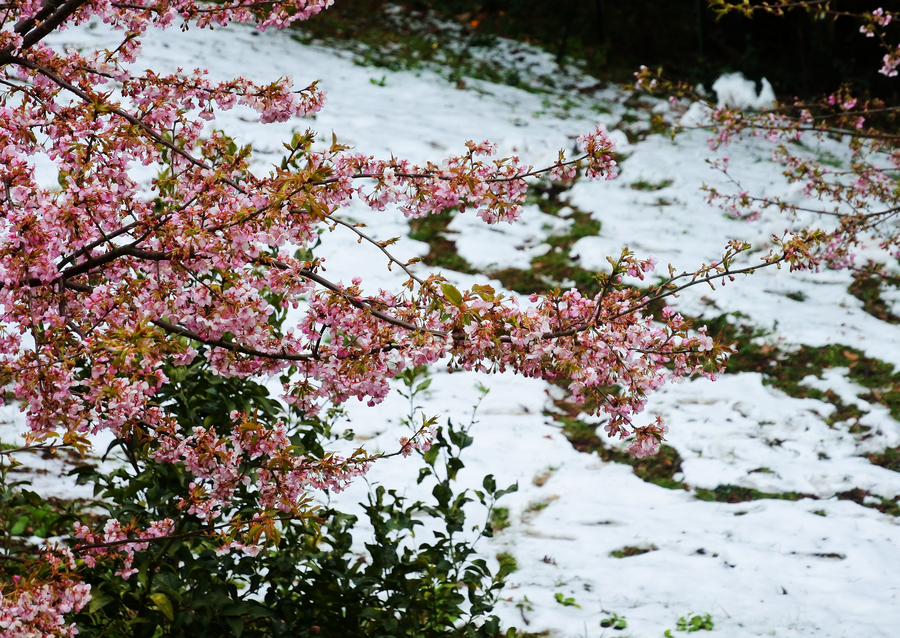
(33, 498)
(19, 526)
(423, 386)
(236, 624)
(485, 292)
(565, 602)
(163, 603)
(244, 608)
(454, 465)
(452, 294)
(509, 490)
(431, 455)
(99, 601)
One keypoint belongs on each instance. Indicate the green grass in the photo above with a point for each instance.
(691, 623)
(442, 251)
(499, 519)
(547, 272)
(629, 551)
(414, 39)
(867, 285)
(508, 564)
(644, 185)
(555, 269)
(659, 469)
(565, 602)
(830, 159)
(736, 494)
(883, 505)
(888, 458)
(786, 370)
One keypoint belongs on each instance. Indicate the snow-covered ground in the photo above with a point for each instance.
(825, 568)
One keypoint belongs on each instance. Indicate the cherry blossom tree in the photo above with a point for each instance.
(857, 204)
(106, 278)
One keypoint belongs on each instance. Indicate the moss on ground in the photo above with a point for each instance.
(629, 551)
(737, 494)
(786, 370)
(781, 369)
(555, 269)
(442, 251)
(888, 458)
(659, 469)
(867, 285)
(867, 499)
(508, 564)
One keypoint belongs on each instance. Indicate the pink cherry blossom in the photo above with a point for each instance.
(109, 278)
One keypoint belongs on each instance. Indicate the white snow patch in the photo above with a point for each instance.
(734, 90)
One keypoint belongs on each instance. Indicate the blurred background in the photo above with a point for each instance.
(802, 54)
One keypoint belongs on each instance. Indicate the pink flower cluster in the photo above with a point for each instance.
(874, 19)
(421, 441)
(38, 610)
(115, 542)
(253, 453)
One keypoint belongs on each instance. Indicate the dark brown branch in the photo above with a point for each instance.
(48, 19)
(112, 255)
(234, 347)
(35, 448)
(362, 304)
(34, 282)
(47, 9)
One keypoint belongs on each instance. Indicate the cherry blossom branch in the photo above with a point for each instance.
(171, 328)
(209, 9)
(749, 270)
(380, 246)
(153, 135)
(438, 175)
(361, 304)
(32, 35)
(155, 539)
(36, 448)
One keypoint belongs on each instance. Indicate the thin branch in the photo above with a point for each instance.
(156, 137)
(749, 270)
(35, 448)
(233, 347)
(436, 175)
(378, 245)
(358, 303)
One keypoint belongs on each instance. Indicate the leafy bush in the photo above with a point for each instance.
(319, 581)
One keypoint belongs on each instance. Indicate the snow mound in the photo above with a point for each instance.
(734, 90)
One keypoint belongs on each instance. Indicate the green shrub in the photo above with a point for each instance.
(318, 581)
